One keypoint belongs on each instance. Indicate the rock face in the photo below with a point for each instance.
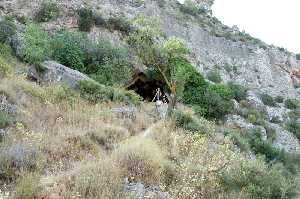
(53, 73)
(140, 191)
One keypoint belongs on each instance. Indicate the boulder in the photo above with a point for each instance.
(53, 73)
(141, 191)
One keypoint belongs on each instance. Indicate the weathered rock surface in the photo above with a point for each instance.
(53, 73)
(285, 140)
(141, 191)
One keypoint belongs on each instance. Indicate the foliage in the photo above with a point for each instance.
(7, 29)
(279, 99)
(190, 7)
(67, 49)
(99, 20)
(186, 121)
(258, 180)
(141, 160)
(268, 100)
(119, 23)
(238, 139)
(27, 186)
(298, 56)
(5, 68)
(37, 44)
(86, 19)
(292, 103)
(216, 101)
(214, 76)
(5, 50)
(95, 92)
(239, 91)
(294, 127)
(48, 10)
(5, 119)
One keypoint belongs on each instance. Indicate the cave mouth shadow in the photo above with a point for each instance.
(145, 87)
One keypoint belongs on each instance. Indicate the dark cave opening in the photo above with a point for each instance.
(145, 87)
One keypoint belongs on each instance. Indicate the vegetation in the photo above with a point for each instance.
(239, 91)
(37, 46)
(298, 56)
(279, 99)
(49, 10)
(268, 100)
(5, 68)
(7, 29)
(5, 119)
(189, 7)
(258, 180)
(119, 23)
(292, 103)
(95, 92)
(86, 19)
(294, 127)
(186, 121)
(214, 76)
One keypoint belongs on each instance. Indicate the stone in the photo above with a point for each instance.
(53, 73)
(141, 191)
(125, 112)
(285, 140)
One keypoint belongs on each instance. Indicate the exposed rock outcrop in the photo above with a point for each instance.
(53, 73)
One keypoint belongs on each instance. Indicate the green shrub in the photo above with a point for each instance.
(238, 139)
(189, 7)
(279, 99)
(7, 29)
(95, 92)
(37, 44)
(5, 51)
(239, 91)
(258, 180)
(5, 119)
(294, 127)
(86, 19)
(268, 100)
(255, 116)
(186, 121)
(99, 20)
(113, 73)
(68, 50)
(119, 23)
(48, 10)
(217, 101)
(214, 76)
(298, 56)
(291, 103)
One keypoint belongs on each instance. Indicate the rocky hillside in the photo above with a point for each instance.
(76, 120)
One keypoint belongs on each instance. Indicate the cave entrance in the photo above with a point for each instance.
(145, 87)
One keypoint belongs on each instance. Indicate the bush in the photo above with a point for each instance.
(294, 127)
(16, 159)
(100, 179)
(99, 20)
(141, 160)
(5, 51)
(5, 119)
(119, 23)
(214, 76)
(189, 7)
(48, 10)
(239, 91)
(27, 186)
(86, 19)
(186, 121)
(291, 103)
(238, 139)
(7, 29)
(68, 49)
(95, 92)
(298, 56)
(37, 44)
(5, 69)
(258, 180)
(216, 101)
(268, 100)
(279, 99)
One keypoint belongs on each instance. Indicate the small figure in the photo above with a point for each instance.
(160, 103)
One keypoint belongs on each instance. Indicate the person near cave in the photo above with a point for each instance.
(161, 104)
